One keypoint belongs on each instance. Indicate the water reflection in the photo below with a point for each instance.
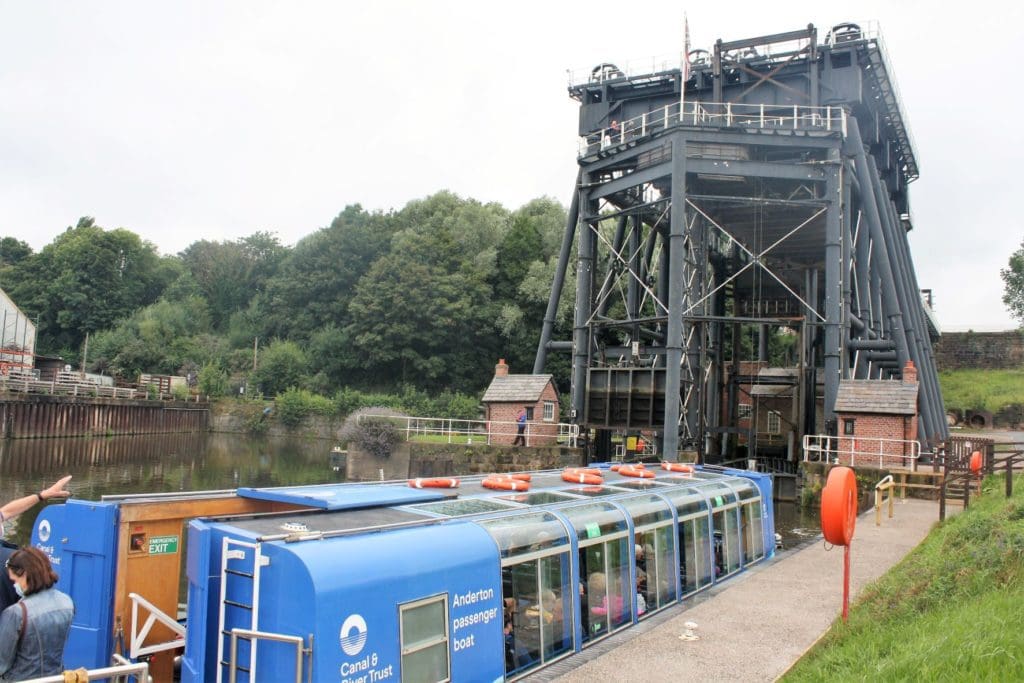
(156, 463)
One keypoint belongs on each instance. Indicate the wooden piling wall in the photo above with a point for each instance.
(33, 417)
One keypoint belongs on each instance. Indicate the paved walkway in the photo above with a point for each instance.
(756, 625)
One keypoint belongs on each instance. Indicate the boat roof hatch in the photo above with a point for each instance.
(344, 496)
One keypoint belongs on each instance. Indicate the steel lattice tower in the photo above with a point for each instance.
(770, 194)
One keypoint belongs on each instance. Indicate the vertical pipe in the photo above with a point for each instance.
(632, 286)
(584, 303)
(676, 283)
(834, 265)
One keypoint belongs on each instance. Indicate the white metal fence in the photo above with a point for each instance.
(483, 432)
(862, 451)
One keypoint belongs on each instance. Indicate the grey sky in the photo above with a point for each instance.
(212, 120)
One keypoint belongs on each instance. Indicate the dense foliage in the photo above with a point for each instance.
(1013, 284)
(374, 304)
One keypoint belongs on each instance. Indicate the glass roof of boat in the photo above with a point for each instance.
(527, 533)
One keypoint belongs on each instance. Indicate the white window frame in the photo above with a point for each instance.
(774, 422)
(744, 411)
(549, 411)
(443, 599)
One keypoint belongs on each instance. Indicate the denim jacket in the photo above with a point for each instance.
(42, 646)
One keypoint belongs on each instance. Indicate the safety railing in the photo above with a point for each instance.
(251, 635)
(716, 115)
(482, 432)
(862, 451)
(885, 486)
(139, 635)
(121, 671)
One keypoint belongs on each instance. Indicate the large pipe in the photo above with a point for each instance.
(584, 303)
(835, 266)
(676, 282)
(560, 269)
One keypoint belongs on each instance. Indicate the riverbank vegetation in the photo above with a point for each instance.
(949, 611)
(992, 390)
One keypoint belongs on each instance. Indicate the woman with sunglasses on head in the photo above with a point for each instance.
(33, 631)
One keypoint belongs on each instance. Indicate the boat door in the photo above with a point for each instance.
(81, 539)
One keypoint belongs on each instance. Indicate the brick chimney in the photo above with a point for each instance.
(909, 372)
(501, 369)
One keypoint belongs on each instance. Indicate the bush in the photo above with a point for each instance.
(376, 435)
(295, 405)
(213, 381)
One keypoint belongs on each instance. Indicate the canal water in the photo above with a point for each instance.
(164, 463)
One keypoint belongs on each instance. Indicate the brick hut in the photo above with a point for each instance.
(877, 420)
(508, 394)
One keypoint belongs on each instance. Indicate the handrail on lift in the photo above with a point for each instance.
(120, 671)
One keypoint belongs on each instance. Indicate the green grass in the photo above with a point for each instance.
(989, 390)
(950, 611)
(444, 438)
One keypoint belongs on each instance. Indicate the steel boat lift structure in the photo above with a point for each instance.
(772, 192)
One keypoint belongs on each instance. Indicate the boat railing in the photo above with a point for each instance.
(482, 432)
(734, 115)
(122, 670)
(139, 635)
(251, 635)
(862, 451)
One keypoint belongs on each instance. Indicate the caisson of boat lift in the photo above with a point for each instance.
(760, 191)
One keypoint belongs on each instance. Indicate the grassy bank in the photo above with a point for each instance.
(951, 610)
(990, 390)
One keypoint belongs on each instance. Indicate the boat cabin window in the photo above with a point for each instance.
(654, 550)
(751, 520)
(537, 498)
(462, 506)
(606, 602)
(694, 540)
(640, 484)
(424, 640)
(592, 491)
(725, 525)
(537, 597)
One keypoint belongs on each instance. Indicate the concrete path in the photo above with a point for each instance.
(756, 625)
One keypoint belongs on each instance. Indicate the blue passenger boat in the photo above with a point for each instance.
(377, 582)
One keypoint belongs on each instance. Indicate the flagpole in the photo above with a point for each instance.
(684, 67)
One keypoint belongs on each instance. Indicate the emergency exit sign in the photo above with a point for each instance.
(163, 545)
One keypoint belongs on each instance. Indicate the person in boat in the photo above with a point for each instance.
(11, 510)
(34, 630)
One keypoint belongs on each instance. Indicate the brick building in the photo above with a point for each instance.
(508, 394)
(877, 420)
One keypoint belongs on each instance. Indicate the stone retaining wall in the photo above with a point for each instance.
(411, 459)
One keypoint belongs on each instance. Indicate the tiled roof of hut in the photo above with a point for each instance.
(515, 388)
(889, 397)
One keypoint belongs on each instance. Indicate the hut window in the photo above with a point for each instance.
(774, 422)
(744, 411)
(424, 639)
(549, 411)
(848, 427)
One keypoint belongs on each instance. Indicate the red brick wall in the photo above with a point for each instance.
(502, 418)
(869, 452)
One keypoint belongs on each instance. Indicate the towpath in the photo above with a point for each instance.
(756, 625)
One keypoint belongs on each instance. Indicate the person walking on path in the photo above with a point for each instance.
(34, 630)
(520, 439)
(9, 512)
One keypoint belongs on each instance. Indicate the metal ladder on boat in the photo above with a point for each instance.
(240, 566)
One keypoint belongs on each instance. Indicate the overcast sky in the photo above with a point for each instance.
(212, 120)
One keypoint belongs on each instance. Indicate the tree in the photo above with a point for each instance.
(13, 251)
(282, 365)
(1013, 284)
(231, 273)
(86, 280)
(315, 282)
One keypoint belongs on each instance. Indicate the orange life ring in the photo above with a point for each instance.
(676, 467)
(585, 470)
(976, 462)
(581, 477)
(521, 476)
(633, 471)
(505, 484)
(615, 467)
(839, 506)
(440, 483)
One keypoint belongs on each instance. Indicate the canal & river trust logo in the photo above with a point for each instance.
(353, 635)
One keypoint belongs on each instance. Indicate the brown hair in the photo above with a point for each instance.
(34, 565)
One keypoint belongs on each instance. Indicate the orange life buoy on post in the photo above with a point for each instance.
(633, 471)
(581, 477)
(676, 467)
(505, 484)
(440, 483)
(977, 460)
(839, 506)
